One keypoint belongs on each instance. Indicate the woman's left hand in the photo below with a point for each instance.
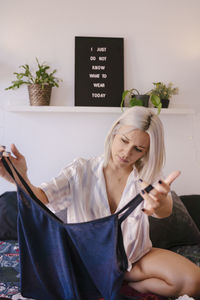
(158, 202)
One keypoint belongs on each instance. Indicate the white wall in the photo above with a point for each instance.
(162, 43)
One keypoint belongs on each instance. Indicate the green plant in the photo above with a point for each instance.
(133, 101)
(164, 91)
(155, 100)
(41, 76)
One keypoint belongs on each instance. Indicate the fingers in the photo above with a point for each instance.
(151, 204)
(3, 152)
(143, 184)
(158, 195)
(2, 149)
(163, 186)
(163, 183)
(172, 177)
(150, 199)
(15, 151)
(6, 154)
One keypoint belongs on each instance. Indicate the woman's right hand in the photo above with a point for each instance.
(18, 161)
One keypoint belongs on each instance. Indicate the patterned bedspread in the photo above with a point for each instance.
(190, 252)
(9, 268)
(9, 265)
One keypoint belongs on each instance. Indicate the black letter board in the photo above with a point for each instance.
(99, 71)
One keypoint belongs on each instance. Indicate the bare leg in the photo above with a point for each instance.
(165, 273)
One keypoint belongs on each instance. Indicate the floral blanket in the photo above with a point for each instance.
(9, 269)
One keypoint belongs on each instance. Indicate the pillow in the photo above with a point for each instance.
(8, 216)
(192, 203)
(176, 230)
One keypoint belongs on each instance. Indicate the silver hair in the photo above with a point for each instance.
(139, 117)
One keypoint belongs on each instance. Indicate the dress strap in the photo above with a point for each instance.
(26, 186)
(131, 205)
(8, 169)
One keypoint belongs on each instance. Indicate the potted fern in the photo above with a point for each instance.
(39, 83)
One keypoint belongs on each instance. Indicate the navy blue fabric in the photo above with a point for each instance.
(82, 261)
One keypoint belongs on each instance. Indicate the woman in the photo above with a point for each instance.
(94, 188)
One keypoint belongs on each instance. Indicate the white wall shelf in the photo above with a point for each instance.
(85, 109)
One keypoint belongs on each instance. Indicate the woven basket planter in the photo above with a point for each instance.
(38, 95)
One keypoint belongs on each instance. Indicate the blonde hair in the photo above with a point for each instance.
(139, 117)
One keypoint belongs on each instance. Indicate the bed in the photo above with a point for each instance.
(180, 233)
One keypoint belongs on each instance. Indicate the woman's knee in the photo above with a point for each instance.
(136, 273)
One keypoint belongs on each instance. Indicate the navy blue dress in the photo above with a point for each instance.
(80, 261)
